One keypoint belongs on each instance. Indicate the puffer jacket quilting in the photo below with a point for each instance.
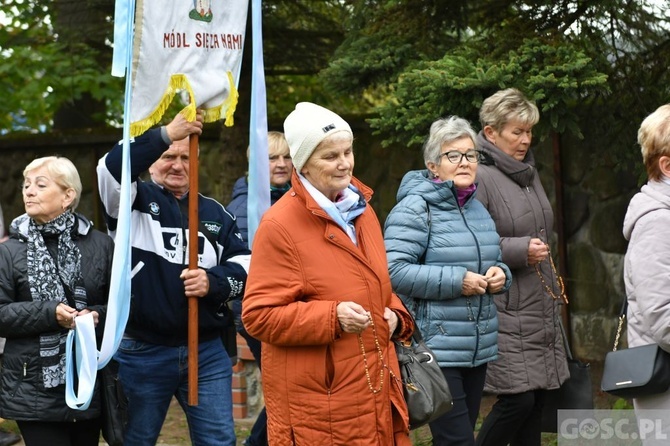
(461, 330)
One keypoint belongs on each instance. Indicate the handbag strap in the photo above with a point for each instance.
(622, 318)
(416, 334)
(422, 259)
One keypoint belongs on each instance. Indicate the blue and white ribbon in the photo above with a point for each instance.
(88, 359)
(259, 168)
(123, 36)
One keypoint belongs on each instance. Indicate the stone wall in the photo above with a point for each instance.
(595, 199)
(82, 150)
(594, 202)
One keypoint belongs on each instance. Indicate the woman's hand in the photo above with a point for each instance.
(495, 276)
(474, 284)
(352, 317)
(96, 316)
(537, 251)
(65, 315)
(392, 319)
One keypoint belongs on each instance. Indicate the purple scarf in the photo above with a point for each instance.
(462, 194)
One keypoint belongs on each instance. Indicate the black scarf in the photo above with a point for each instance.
(54, 280)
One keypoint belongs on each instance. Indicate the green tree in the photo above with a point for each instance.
(54, 64)
(55, 59)
(593, 66)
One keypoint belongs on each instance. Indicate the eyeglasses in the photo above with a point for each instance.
(455, 157)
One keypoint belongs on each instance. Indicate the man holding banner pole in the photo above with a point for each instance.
(153, 355)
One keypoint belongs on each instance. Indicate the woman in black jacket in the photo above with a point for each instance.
(53, 268)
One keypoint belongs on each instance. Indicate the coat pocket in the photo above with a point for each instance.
(330, 368)
(14, 374)
(513, 297)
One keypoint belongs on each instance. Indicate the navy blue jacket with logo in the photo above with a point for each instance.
(159, 307)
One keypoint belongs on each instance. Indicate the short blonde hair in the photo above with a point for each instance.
(62, 171)
(507, 105)
(654, 139)
(277, 144)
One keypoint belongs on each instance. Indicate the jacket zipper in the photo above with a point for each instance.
(20, 381)
(479, 268)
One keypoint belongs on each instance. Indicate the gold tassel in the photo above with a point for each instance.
(180, 82)
(231, 101)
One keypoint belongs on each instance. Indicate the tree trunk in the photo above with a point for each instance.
(77, 23)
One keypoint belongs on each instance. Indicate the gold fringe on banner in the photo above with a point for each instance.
(229, 105)
(180, 82)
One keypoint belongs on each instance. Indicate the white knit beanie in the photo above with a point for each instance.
(308, 125)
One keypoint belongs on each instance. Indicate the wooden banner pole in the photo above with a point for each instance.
(193, 224)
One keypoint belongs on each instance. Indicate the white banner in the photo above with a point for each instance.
(191, 45)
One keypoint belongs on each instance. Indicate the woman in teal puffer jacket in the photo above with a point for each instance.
(444, 259)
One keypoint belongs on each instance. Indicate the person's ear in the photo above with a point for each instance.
(432, 168)
(69, 197)
(664, 165)
(490, 133)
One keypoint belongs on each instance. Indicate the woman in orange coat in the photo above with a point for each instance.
(319, 297)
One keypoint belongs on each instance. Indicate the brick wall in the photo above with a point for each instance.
(247, 390)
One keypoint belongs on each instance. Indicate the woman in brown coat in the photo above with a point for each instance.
(531, 356)
(319, 297)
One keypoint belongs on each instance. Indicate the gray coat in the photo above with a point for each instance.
(531, 354)
(646, 267)
(461, 330)
(647, 277)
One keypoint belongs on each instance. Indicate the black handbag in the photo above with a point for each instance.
(576, 393)
(637, 371)
(114, 405)
(424, 386)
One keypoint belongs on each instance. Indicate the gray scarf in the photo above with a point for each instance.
(521, 172)
(54, 280)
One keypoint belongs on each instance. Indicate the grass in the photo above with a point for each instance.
(9, 426)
